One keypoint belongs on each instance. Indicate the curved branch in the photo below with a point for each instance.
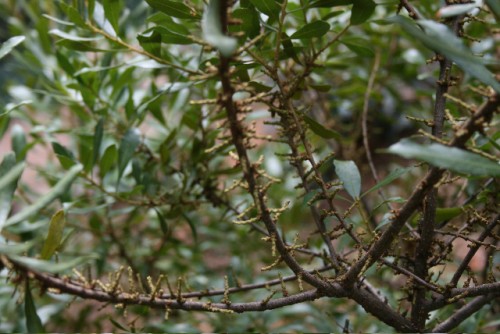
(72, 288)
(458, 294)
(463, 313)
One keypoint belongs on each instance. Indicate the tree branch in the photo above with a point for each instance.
(463, 313)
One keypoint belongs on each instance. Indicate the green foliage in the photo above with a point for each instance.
(159, 155)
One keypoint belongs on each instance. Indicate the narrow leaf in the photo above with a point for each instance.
(212, 30)
(454, 10)
(108, 159)
(444, 214)
(52, 267)
(163, 222)
(310, 30)
(97, 140)
(15, 249)
(451, 158)
(169, 36)
(112, 9)
(173, 8)
(58, 190)
(320, 130)
(102, 21)
(18, 141)
(33, 322)
(13, 106)
(348, 173)
(360, 49)
(395, 174)
(440, 38)
(128, 145)
(73, 14)
(330, 3)
(65, 35)
(10, 44)
(54, 237)
(9, 175)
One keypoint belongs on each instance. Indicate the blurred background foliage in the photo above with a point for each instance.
(114, 96)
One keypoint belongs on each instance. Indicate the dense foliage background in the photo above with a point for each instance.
(304, 162)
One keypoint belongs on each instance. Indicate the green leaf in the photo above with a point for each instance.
(258, 87)
(440, 38)
(54, 237)
(348, 173)
(169, 36)
(57, 20)
(128, 145)
(361, 11)
(108, 159)
(445, 214)
(33, 322)
(321, 88)
(288, 47)
(58, 190)
(9, 176)
(10, 44)
(18, 141)
(70, 37)
(162, 221)
(451, 158)
(14, 249)
(395, 174)
(268, 7)
(494, 5)
(320, 130)
(173, 8)
(64, 155)
(61, 150)
(97, 140)
(150, 41)
(112, 9)
(81, 46)
(52, 267)
(73, 14)
(330, 3)
(310, 30)
(250, 21)
(212, 30)
(11, 106)
(362, 50)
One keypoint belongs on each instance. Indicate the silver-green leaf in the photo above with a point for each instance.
(452, 158)
(348, 173)
(10, 44)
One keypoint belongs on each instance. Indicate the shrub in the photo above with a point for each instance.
(232, 157)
